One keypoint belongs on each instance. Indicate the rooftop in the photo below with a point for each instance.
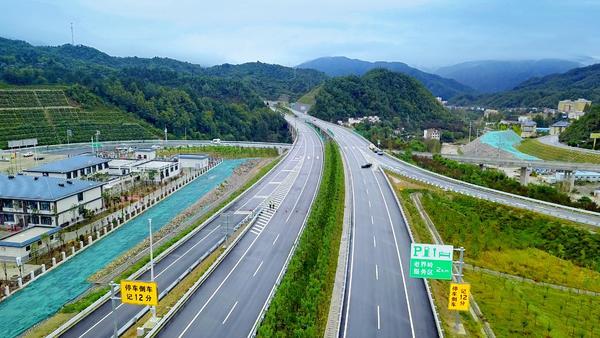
(560, 124)
(154, 165)
(41, 188)
(27, 236)
(193, 156)
(69, 164)
(529, 123)
(145, 150)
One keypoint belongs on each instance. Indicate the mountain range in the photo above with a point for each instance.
(493, 76)
(342, 66)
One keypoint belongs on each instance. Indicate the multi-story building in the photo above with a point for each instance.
(574, 109)
(432, 134)
(72, 167)
(528, 129)
(558, 127)
(27, 201)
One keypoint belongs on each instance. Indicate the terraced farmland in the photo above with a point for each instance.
(550, 153)
(48, 117)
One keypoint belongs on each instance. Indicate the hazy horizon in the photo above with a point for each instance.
(419, 33)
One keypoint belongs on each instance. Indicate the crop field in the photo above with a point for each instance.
(546, 152)
(32, 98)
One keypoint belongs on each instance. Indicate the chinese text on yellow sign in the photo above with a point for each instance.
(459, 297)
(139, 293)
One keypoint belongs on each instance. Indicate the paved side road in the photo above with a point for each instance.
(231, 300)
(100, 322)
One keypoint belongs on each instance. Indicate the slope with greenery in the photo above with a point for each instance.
(343, 66)
(490, 76)
(201, 102)
(552, 153)
(578, 133)
(543, 92)
(301, 304)
(392, 96)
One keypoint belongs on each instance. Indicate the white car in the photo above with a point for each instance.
(216, 141)
(28, 154)
(156, 146)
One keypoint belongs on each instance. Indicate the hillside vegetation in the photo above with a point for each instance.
(391, 96)
(543, 92)
(551, 153)
(343, 66)
(578, 133)
(47, 115)
(224, 101)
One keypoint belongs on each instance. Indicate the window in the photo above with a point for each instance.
(27, 248)
(81, 172)
(32, 205)
(9, 218)
(45, 206)
(75, 174)
(68, 175)
(8, 204)
(34, 220)
(80, 197)
(46, 220)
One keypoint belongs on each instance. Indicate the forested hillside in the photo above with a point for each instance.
(223, 102)
(578, 133)
(543, 92)
(393, 97)
(343, 66)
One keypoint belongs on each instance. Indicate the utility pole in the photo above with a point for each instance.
(470, 130)
(153, 308)
(113, 298)
(459, 280)
(166, 136)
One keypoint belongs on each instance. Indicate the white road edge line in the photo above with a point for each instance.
(230, 311)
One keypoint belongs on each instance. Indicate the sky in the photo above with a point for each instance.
(423, 33)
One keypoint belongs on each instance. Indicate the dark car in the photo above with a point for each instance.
(366, 165)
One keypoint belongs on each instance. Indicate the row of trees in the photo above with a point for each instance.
(578, 133)
(496, 179)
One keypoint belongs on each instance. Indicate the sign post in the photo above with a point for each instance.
(431, 261)
(152, 267)
(113, 298)
(594, 136)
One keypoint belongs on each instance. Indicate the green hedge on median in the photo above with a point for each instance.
(301, 305)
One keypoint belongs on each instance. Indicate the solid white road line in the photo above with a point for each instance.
(276, 238)
(259, 265)
(352, 244)
(230, 311)
(378, 319)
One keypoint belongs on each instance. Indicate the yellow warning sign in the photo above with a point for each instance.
(459, 297)
(139, 293)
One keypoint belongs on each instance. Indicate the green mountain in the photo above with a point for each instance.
(491, 76)
(343, 66)
(223, 101)
(543, 92)
(392, 96)
(578, 133)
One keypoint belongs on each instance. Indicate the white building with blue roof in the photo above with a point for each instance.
(27, 201)
(72, 167)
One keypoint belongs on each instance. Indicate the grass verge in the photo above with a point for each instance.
(223, 151)
(301, 303)
(550, 153)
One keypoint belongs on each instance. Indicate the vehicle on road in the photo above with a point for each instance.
(366, 165)
(156, 146)
(380, 152)
(216, 141)
(28, 154)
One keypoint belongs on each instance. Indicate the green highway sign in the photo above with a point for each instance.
(431, 261)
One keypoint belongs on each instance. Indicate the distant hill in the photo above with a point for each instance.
(492, 76)
(543, 92)
(578, 133)
(217, 102)
(342, 66)
(392, 96)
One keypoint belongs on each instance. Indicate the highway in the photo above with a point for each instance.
(380, 300)
(304, 165)
(231, 300)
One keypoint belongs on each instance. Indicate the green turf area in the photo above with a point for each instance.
(222, 151)
(47, 115)
(522, 244)
(518, 309)
(550, 153)
(309, 98)
(301, 305)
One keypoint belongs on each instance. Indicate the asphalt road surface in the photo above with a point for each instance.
(230, 301)
(286, 224)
